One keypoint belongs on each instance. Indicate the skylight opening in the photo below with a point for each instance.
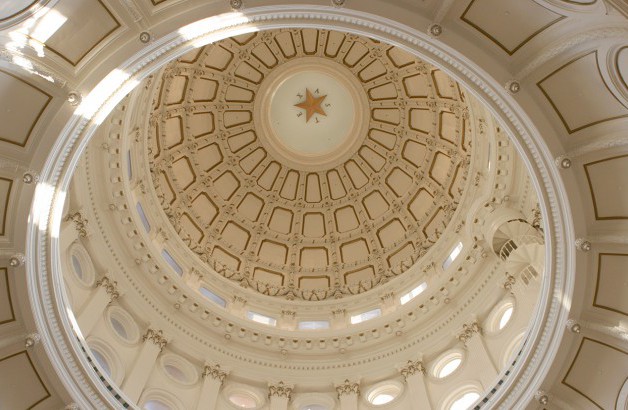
(212, 296)
(259, 318)
(129, 164)
(173, 264)
(363, 317)
(313, 324)
(453, 255)
(143, 218)
(413, 293)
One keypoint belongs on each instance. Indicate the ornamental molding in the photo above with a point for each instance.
(468, 330)
(348, 388)
(110, 286)
(215, 372)
(544, 336)
(280, 389)
(156, 337)
(412, 368)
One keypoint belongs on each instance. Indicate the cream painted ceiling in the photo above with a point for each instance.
(549, 56)
(307, 234)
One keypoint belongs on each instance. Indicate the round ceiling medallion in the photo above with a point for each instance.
(311, 113)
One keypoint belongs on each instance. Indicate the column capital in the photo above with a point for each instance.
(214, 372)
(468, 330)
(111, 287)
(280, 390)
(157, 337)
(412, 368)
(348, 388)
(80, 222)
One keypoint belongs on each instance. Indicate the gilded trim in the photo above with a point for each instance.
(6, 206)
(597, 283)
(503, 47)
(28, 357)
(107, 34)
(562, 119)
(6, 280)
(574, 362)
(595, 210)
(39, 114)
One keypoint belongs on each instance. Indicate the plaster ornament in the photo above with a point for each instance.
(236, 4)
(435, 30)
(280, 390)
(17, 260)
(145, 37)
(74, 98)
(412, 368)
(215, 372)
(563, 162)
(513, 86)
(156, 337)
(583, 245)
(573, 326)
(348, 388)
(31, 340)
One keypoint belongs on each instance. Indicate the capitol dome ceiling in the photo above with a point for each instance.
(308, 164)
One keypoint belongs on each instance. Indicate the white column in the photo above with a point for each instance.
(105, 293)
(134, 383)
(213, 377)
(279, 395)
(471, 336)
(414, 373)
(348, 393)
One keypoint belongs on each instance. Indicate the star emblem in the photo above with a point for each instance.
(311, 105)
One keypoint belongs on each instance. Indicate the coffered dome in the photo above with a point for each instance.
(300, 203)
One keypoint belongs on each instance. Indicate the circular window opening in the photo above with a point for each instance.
(243, 401)
(176, 373)
(156, 405)
(313, 407)
(123, 325)
(505, 318)
(464, 402)
(383, 393)
(102, 361)
(500, 316)
(119, 328)
(448, 364)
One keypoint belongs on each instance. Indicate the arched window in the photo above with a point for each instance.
(447, 363)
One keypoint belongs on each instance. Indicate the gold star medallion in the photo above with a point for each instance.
(311, 105)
